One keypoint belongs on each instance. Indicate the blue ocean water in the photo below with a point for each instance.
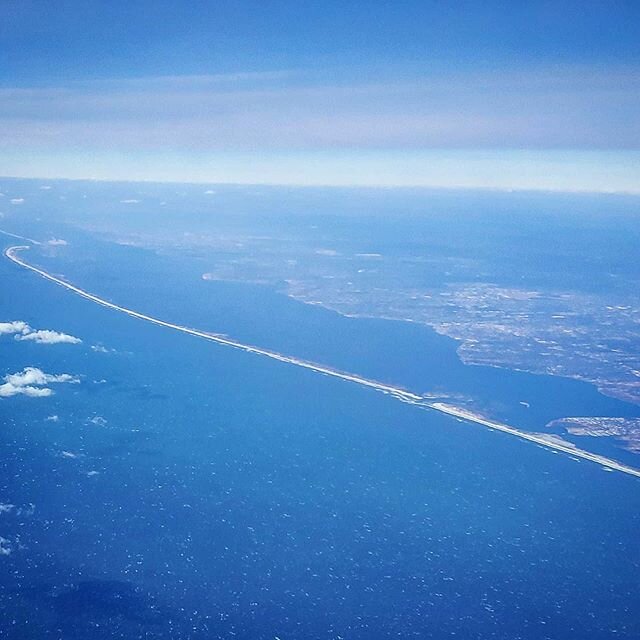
(213, 493)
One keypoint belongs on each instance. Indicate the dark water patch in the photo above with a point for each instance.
(97, 600)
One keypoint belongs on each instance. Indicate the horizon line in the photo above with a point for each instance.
(329, 185)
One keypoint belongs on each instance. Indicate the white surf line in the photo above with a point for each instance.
(15, 235)
(541, 439)
(400, 394)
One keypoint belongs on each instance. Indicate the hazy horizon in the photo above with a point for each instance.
(540, 96)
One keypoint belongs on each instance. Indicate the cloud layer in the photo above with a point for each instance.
(571, 127)
(554, 107)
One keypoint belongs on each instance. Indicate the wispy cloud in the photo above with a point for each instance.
(566, 107)
(45, 336)
(99, 348)
(32, 382)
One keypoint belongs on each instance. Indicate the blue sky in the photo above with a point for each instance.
(486, 94)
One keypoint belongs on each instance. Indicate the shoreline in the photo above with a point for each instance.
(549, 442)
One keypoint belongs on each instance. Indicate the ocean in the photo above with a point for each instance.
(189, 490)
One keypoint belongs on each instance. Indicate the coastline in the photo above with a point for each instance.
(548, 441)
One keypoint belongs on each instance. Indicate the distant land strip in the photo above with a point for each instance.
(546, 440)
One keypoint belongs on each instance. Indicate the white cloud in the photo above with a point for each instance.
(15, 326)
(31, 382)
(33, 375)
(57, 242)
(6, 507)
(22, 331)
(54, 418)
(7, 390)
(17, 200)
(45, 336)
(130, 201)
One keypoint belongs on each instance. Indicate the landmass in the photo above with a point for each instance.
(626, 430)
(592, 336)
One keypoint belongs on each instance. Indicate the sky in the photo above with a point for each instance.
(525, 95)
